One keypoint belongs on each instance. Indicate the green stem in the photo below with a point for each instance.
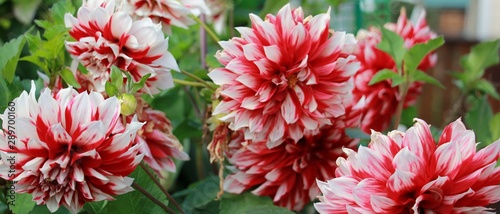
(189, 83)
(152, 198)
(209, 31)
(399, 110)
(170, 198)
(198, 79)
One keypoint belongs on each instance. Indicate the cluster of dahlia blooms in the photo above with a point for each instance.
(285, 89)
(381, 98)
(138, 47)
(74, 146)
(409, 173)
(70, 148)
(106, 37)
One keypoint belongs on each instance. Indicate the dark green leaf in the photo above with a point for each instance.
(392, 44)
(69, 78)
(482, 56)
(416, 54)
(486, 87)
(23, 204)
(98, 207)
(4, 94)
(10, 53)
(384, 74)
(42, 209)
(479, 113)
(495, 128)
(423, 77)
(250, 203)
(37, 61)
(135, 201)
(201, 193)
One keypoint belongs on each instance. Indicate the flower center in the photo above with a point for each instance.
(292, 80)
(432, 198)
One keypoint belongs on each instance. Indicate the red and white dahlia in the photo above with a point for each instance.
(106, 37)
(285, 76)
(288, 172)
(382, 99)
(157, 141)
(218, 14)
(410, 173)
(169, 12)
(70, 148)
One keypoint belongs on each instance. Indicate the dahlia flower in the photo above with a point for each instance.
(169, 12)
(285, 76)
(157, 141)
(382, 99)
(410, 173)
(71, 148)
(287, 173)
(106, 37)
(218, 13)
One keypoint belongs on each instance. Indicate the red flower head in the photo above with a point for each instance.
(410, 173)
(381, 98)
(288, 172)
(70, 149)
(106, 37)
(285, 76)
(158, 143)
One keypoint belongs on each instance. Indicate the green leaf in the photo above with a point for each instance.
(10, 53)
(4, 95)
(98, 207)
(42, 209)
(201, 193)
(495, 128)
(486, 87)
(23, 204)
(392, 44)
(69, 78)
(111, 89)
(385, 74)
(250, 203)
(423, 77)
(135, 201)
(116, 77)
(482, 56)
(416, 54)
(479, 114)
(138, 85)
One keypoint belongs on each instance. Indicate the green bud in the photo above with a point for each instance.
(128, 104)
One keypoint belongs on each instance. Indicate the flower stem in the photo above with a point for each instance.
(189, 83)
(197, 79)
(455, 109)
(170, 198)
(209, 31)
(399, 110)
(203, 43)
(152, 198)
